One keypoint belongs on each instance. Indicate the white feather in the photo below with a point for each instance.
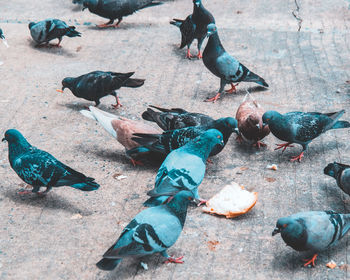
(105, 119)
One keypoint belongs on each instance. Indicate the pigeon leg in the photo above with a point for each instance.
(201, 202)
(44, 192)
(209, 161)
(188, 54)
(199, 45)
(118, 104)
(232, 89)
(117, 24)
(284, 146)
(171, 259)
(259, 144)
(34, 190)
(298, 158)
(213, 99)
(59, 42)
(24, 192)
(199, 55)
(310, 261)
(105, 25)
(136, 162)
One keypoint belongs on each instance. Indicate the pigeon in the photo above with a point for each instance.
(153, 230)
(301, 128)
(187, 29)
(2, 36)
(194, 27)
(173, 139)
(225, 66)
(341, 172)
(97, 84)
(116, 9)
(249, 119)
(120, 128)
(49, 29)
(313, 231)
(201, 17)
(175, 118)
(40, 169)
(184, 168)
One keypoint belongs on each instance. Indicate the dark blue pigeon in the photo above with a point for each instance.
(313, 231)
(187, 29)
(49, 29)
(154, 230)
(116, 9)
(184, 168)
(225, 66)
(175, 118)
(341, 172)
(97, 84)
(40, 169)
(194, 27)
(173, 139)
(300, 127)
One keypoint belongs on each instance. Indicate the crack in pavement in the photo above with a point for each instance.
(295, 13)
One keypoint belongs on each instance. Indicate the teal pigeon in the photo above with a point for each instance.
(184, 168)
(225, 66)
(313, 231)
(341, 172)
(153, 230)
(40, 169)
(300, 127)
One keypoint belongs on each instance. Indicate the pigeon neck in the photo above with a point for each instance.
(18, 148)
(214, 43)
(179, 209)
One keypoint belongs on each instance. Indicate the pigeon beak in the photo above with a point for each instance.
(208, 34)
(60, 90)
(275, 231)
(258, 126)
(3, 140)
(222, 143)
(236, 130)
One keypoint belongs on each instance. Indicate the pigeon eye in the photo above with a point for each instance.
(219, 137)
(267, 120)
(285, 225)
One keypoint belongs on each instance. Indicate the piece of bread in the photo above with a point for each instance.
(233, 200)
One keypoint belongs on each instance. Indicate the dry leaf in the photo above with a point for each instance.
(119, 176)
(270, 179)
(212, 245)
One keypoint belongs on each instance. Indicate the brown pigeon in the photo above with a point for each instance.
(120, 128)
(250, 124)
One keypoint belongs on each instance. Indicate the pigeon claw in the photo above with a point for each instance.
(232, 89)
(136, 162)
(118, 104)
(188, 54)
(209, 161)
(259, 144)
(174, 260)
(213, 99)
(297, 158)
(199, 55)
(24, 192)
(284, 146)
(310, 261)
(201, 202)
(239, 139)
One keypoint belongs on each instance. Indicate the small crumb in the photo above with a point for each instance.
(76, 217)
(338, 90)
(144, 265)
(348, 82)
(239, 12)
(79, 49)
(321, 30)
(272, 167)
(119, 176)
(212, 245)
(240, 250)
(113, 203)
(331, 264)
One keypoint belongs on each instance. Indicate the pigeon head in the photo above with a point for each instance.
(211, 29)
(226, 126)
(90, 4)
(197, 2)
(292, 231)
(270, 116)
(332, 169)
(13, 136)
(67, 83)
(206, 142)
(253, 121)
(31, 24)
